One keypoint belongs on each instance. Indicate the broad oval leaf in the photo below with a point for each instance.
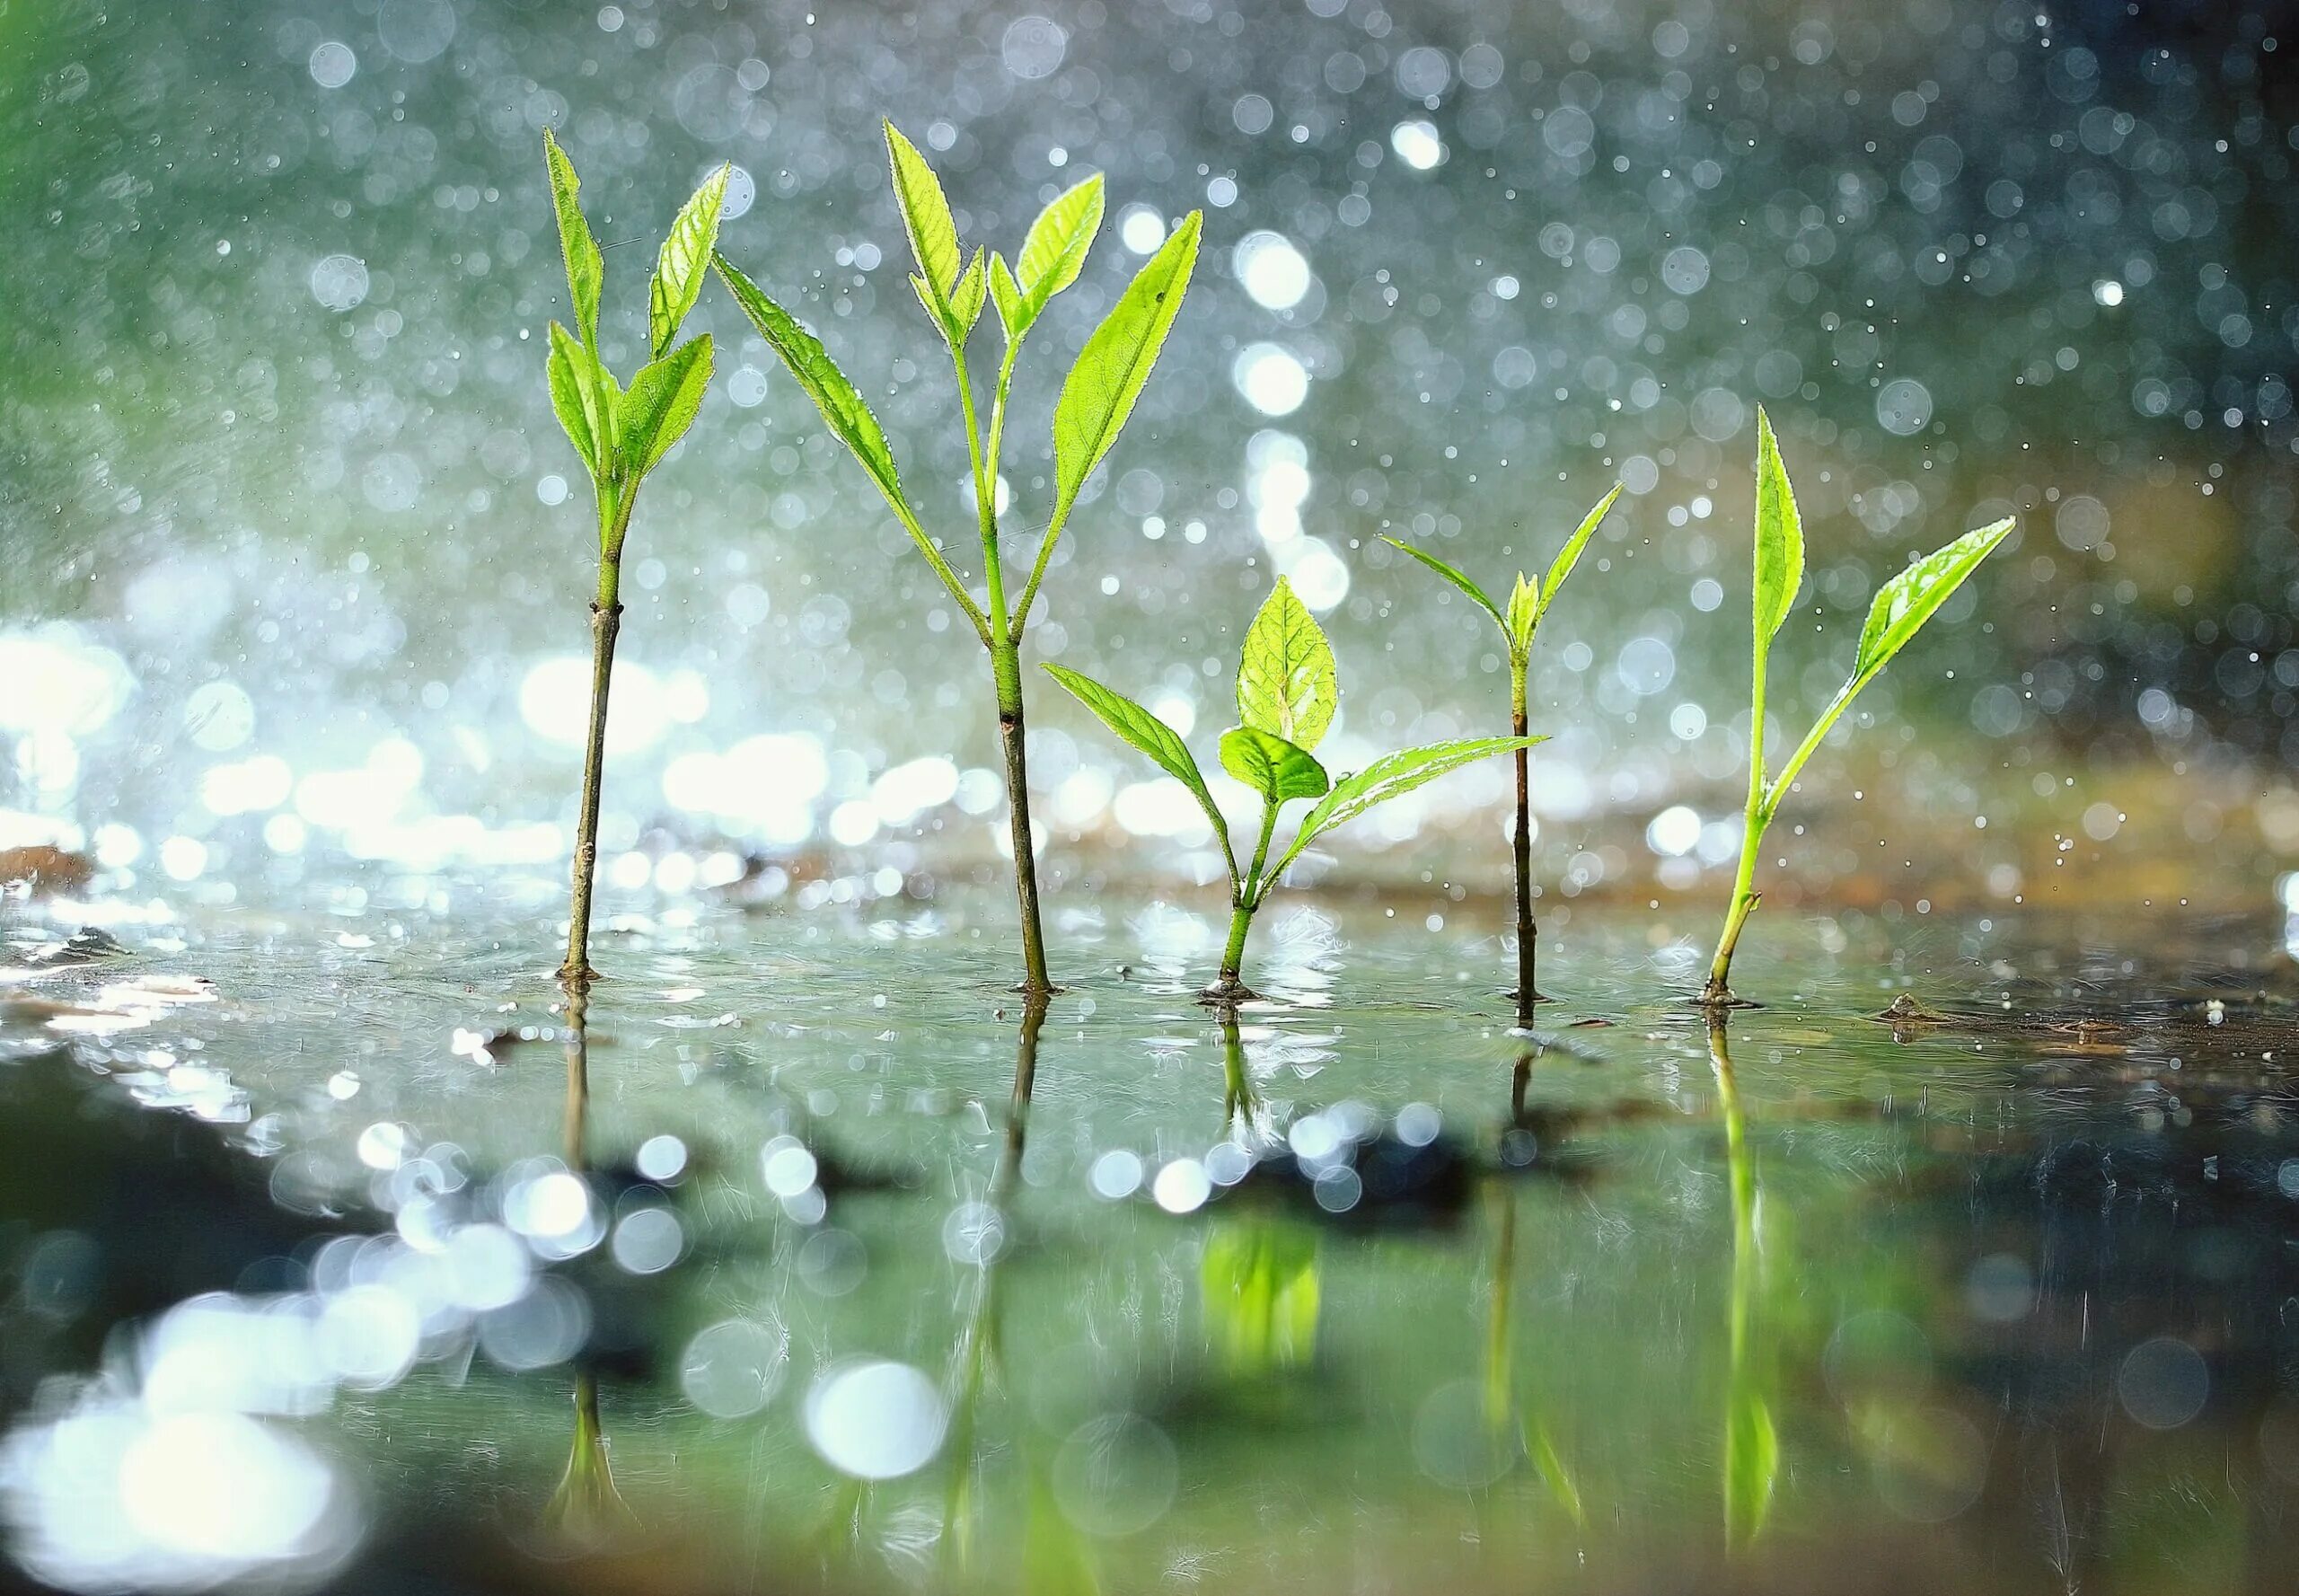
(1054, 252)
(1392, 776)
(661, 406)
(1273, 767)
(1476, 593)
(586, 273)
(1780, 537)
(1138, 727)
(1570, 555)
(1098, 394)
(834, 396)
(925, 214)
(684, 261)
(1287, 685)
(570, 398)
(1903, 604)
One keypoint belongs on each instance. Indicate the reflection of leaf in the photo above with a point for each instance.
(1056, 1559)
(587, 1512)
(1260, 1286)
(1541, 1447)
(1751, 1466)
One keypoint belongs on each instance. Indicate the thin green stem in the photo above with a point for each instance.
(1037, 570)
(957, 589)
(1718, 992)
(606, 620)
(985, 495)
(1006, 664)
(1246, 894)
(1811, 745)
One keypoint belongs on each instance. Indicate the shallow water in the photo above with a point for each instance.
(1369, 1294)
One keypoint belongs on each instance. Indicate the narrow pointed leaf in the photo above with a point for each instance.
(574, 397)
(1903, 604)
(1138, 727)
(1476, 593)
(1272, 766)
(925, 214)
(1007, 296)
(966, 299)
(1780, 537)
(1054, 252)
(1101, 391)
(661, 406)
(1287, 685)
(840, 404)
(585, 270)
(684, 261)
(1570, 555)
(1524, 612)
(571, 396)
(1392, 776)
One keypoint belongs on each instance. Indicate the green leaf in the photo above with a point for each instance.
(585, 272)
(1780, 537)
(1476, 593)
(1054, 252)
(1146, 732)
(834, 396)
(574, 397)
(1903, 604)
(1099, 393)
(1273, 767)
(1751, 1466)
(1524, 613)
(1392, 775)
(661, 406)
(1287, 685)
(684, 261)
(1007, 294)
(925, 214)
(966, 299)
(1570, 555)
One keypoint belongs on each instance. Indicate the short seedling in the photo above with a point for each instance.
(1096, 399)
(1528, 601)
(1901, 607)
(621, 435)
(1287, 693)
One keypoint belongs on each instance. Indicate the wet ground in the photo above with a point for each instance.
(332, 1252)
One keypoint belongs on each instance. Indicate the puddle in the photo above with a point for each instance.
(808, 1257)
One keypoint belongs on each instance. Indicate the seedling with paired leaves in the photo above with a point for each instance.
(1898, 612)
(1096, 399)
(1286, 691)
(622, 435)
(1528, 601)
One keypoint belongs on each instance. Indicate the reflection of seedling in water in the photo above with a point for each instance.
(1752, 1441)
(1901, 607)
(1528, 601)
(1096, 399)
(1286, 691)
(621, 435)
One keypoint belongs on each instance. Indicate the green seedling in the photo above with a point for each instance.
(1528, 601)
(1901, 607)
(1287, 693)
(622, 435)
(1096, 399)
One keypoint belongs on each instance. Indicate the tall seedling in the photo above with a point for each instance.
(621, 434)
(1528, 601)
(1287, 693)
(1901, 607)
(1096, 399)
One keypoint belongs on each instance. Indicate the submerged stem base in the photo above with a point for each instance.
(1227, 992)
